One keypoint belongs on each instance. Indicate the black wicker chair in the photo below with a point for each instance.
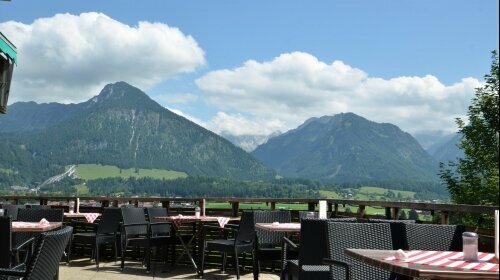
(5, 242)
(244, 237)
(136, 232)
(397, 231)
(434, 237)
(35, 215)
(268, 244)
(44, 262)
(357, 236)
(12, 210)
(165, 230)
(311, 254)
(105, 232)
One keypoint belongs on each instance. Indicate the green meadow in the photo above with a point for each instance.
(96, 171)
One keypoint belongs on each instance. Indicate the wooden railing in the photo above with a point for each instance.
(440, 212)
(392, 208)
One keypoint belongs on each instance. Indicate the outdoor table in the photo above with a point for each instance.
(177, 221)
(90, 217)
(280, 227)
(34, 226)
(430, 264)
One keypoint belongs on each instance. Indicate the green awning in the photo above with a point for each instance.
(8, 48)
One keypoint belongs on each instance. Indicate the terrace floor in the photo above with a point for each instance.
(84, 269)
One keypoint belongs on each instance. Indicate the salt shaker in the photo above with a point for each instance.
(470, 246)
(197, 211)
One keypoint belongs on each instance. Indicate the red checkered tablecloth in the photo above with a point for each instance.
(449, 259)
(90, 217)
(178, 220)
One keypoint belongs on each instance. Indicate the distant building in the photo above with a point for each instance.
(8, 57)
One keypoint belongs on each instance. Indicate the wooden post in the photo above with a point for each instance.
(235, 205)
(115, 203)
(166, 204)
(136, 203)
(311, 206)
(361, 211)
(444, 215)
(336, 209)
(388, 213)
(395, 213)
(273, 205)
(104, 203)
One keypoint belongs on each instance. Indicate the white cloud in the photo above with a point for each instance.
(69, 58)
(296, 86)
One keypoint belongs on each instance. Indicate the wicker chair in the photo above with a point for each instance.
(5, 242)
(162, 229)
(44, 262)
(105, 232)
(311, 254)
(358, 236)
(434, 237)
(12, 210)
(243, 241)
(397, 231)
(136, 232)
(35, 215)
(268, 244)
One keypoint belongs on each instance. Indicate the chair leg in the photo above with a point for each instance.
(202, 264)
(255, 266)
(235, 256)
(116, 249)
(124, 247)
(147, 253)
(224, 261)
(97, 254)
(68, 251)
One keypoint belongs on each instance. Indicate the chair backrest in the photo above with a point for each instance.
(434, 237)
(36, 206)
(357, 236)
(110, 220)
(11, 210)
(246, 229)
(313, 249)
(132, 215)
(266, 237)
(397, 231)
(35, 215)
(47, 254)
(5, 241)
(158, 212)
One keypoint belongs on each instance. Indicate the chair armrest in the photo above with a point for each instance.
(12, 272)
(24, 244)
(288, 242)
(76, 224)
(345, 265)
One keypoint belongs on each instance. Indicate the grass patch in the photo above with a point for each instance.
(97, 171)
(8, 171)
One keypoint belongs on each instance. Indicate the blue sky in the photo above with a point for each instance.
(248, 68)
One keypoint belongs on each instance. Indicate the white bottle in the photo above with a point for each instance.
(197, 211)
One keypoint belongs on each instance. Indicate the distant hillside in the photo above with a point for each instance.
(30, 116)
(448, 150)
(122, 126)
(348, 149)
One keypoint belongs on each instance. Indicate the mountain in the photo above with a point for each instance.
(448, 150)
(30, 116)
(348, 149)
(122, 126)
(248, 142)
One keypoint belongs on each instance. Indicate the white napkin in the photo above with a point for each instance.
(44, 222)
(400, 255)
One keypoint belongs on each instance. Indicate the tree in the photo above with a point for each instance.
(474, 178)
